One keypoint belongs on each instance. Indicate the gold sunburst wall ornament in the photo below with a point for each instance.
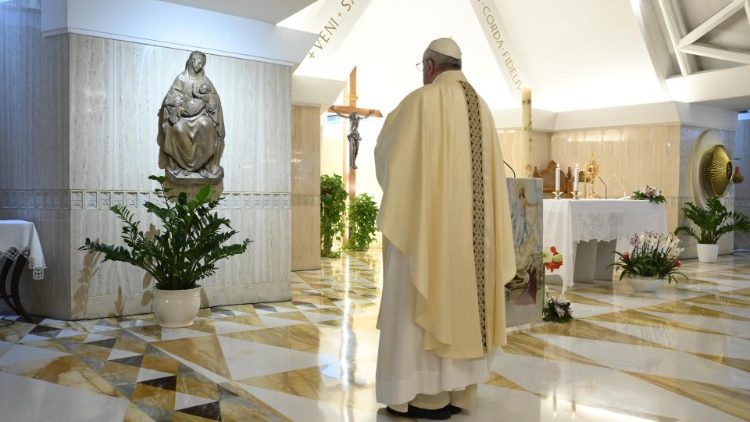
(716, 170)
(591, 171)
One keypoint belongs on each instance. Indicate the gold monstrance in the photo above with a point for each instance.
(591, 171)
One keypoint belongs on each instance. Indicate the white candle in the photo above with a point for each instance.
(557, 179)
(575, 179)
(526, 151)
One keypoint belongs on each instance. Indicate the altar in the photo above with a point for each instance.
(586, 231)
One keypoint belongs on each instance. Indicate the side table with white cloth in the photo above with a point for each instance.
(19, 248)
(585, 232)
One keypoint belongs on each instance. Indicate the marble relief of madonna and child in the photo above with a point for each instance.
(191, 127)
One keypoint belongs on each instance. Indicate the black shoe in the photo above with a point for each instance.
(454, 410)
(417, 412)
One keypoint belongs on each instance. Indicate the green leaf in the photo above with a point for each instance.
(202, 195)
(332, 207)
(712, 222)
(184, 250)
(363, 212)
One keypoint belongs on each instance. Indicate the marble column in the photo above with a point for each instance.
(305, 188)
(34, 129)
(742, 191)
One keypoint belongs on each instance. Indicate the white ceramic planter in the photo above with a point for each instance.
(177, 308)
(645, 284)
(708, 252)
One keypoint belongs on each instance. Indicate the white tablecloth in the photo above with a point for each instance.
(18, 237)
(568, 221)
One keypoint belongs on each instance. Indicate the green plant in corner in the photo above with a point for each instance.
(712, 222)
(363, 211)
(332, 207)
(185, 250)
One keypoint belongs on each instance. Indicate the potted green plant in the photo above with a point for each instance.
(652, 261)
(712, 222)
(332, 207)
(363, 211)
(184, 251)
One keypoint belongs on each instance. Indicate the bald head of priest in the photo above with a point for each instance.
(447, 243)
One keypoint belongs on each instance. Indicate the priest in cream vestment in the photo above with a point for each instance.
(447, 243)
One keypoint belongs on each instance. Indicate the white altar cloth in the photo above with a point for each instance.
(18, 237)
(568, 221)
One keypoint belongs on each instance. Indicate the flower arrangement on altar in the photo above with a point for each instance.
(557, 309)
(653, 255)
(552, 259)
(651, 193)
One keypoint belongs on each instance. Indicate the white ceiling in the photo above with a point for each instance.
(573, 54)
(271, 11)
(581, 54)
(714, 62)
(732, 34)
(738, 103)
(569, 54)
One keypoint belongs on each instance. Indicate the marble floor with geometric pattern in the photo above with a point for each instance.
(680, 354)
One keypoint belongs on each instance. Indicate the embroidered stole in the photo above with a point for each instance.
(477, 171)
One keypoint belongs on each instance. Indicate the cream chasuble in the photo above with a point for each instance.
(435, 196)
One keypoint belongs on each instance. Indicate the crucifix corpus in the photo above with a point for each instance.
(354, 114)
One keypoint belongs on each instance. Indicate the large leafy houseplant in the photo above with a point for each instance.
(712, 222)
(363, 211)
(185, 250)
(332, 207)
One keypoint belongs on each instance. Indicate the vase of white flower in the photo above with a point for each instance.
(652, 261)
(557, 309)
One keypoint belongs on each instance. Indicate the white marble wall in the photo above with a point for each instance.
(81, 134)
(116, 91)
(261, 274)
(630, 158)
(742, 191)
(33, 139)
(33, 113)
(117, 88)
(305, 188)
(511, 142)
(634, 156)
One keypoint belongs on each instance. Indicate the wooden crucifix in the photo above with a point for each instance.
(354, 114)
